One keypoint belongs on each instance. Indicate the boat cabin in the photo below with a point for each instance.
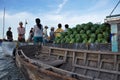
(114, 21)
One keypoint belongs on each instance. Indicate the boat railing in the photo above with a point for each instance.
(78, 46)
(82, 46)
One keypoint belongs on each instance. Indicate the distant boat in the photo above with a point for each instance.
(0, 42)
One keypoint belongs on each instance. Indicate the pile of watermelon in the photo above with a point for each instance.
(86, 33)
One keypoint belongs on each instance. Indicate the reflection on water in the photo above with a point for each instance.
(8, 70)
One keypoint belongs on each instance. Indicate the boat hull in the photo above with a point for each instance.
(79, 64)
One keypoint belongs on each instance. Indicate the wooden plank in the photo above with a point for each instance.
(96, 69)
(99, 59)
(84, 76)
(73, 61)
(57, 54)
(49, 51)
(107, 60)
(65, 56)
(73, 69)
(43, 52)
(99, 64)
(117, 69)
(87, 51)
(56, 63)
(85, 62)
(92, 59)
(79, 57)
(115, 61)
(85, 58)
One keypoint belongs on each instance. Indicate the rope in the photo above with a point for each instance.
(115, 7)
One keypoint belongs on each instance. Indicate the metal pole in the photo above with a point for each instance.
(25, 24)
(3, 22)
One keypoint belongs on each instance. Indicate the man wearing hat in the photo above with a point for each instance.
(9, 34)
(45, 35)
(52, 35)
(21, 32)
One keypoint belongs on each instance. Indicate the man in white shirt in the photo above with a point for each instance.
(21, 32)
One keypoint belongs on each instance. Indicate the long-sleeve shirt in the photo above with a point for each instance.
(21, 31)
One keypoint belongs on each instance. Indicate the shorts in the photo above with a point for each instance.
(21, 39)
(38, 39)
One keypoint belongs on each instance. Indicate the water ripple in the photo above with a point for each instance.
(8, 69)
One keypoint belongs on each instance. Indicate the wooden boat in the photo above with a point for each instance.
(51, 63)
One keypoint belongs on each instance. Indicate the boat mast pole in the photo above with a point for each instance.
(25, 25)
(3, 21)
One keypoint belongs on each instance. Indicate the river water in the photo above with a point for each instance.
(8, 69)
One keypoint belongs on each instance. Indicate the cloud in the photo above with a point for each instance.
(99, 4)
(60, 6)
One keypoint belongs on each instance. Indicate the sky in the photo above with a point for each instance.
(52, 12)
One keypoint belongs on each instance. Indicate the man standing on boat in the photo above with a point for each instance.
(21, 32)
(45, 35)
(38, 32)
(66, 27)
(31, 34)
(59, 30)
(9, 34)
(52, 35)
